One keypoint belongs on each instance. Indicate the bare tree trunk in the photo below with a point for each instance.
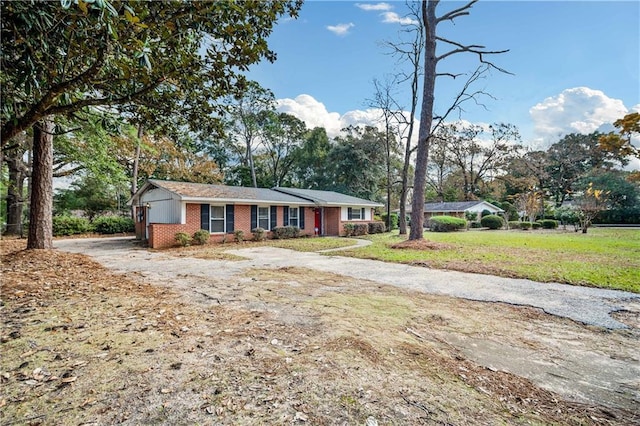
(136, 166)
(426, 119)
(41, 212)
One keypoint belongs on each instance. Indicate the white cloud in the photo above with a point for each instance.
(577, 110)
(374, 6)
(341, 29)
(394, 18)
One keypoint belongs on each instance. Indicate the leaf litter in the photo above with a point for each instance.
(81, 344)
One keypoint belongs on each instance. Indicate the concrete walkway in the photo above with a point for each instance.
(583, 304)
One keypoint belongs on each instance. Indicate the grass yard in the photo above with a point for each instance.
(606, 258)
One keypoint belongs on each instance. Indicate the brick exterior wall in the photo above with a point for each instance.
(162, 235)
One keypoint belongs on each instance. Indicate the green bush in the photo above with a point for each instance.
(515, 224)
(492, 222)
(471, 216)
(484, 213)
(183, 239)
(259, 234)
(549, 223)
(379, 227)
(113, 224)
(201, 237)
(475, 224)
(286, 232)
(394, 222)
(446, 223)
(238, 235)
(70, 225)
(355, 229)
(525, 226)
(536, 225)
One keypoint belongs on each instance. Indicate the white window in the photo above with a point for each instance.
(355, 214)
(263, 217)
(293, 217)
(217, 219)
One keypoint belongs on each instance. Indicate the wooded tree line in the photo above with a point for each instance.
(112, 93)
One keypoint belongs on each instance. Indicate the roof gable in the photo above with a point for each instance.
(457, 206)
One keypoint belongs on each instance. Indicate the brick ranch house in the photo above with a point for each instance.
(164, 208)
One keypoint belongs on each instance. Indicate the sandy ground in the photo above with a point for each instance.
(264, 341)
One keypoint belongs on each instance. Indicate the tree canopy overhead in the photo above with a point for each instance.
(61, 57)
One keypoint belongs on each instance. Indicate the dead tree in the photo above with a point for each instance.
(431, 60)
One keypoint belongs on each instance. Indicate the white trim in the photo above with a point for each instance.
(224, 219)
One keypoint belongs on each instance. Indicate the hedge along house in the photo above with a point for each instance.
(164, 208)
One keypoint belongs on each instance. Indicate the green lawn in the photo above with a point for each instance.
(607, 258)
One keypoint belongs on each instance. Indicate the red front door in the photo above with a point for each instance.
(318, 221)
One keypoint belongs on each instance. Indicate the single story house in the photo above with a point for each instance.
(459, 208)
(164, 208)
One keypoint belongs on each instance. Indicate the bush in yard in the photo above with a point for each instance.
(484, 213)
(525, 226)
(475, 224)
(492, 222)
(201, 237)
(286, 232)
(394, 222)
(70, 225)
(238, 235)
(378, 227)
(471, 216)
(113, 224)
(536, 225)
(549, 223)
(349, 229)
(259, 234)
(446, 223)
(515, 224)
(183, 239)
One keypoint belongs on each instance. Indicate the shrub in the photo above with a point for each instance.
(515, 224)
(238, 235)
(476, 224)
(525, 226)
(349, 229)
(356, 229)
(286, 232)
(113, 224)
(183, 239)
(549, 223)
(201, 237)
(536, 225)
(484, 213)
(393, 223)
(379, 227)
(259, 234)
(446, 223)
(492, 222)
(70, 225)
(471, 216)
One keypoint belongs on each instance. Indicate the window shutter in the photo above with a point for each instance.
(286, 215)
(349, 213)
(204, 216)
(254, 217)
(230, 222)
(274, 217)
(301, 217)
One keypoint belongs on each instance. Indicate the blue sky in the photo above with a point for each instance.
(576, 64)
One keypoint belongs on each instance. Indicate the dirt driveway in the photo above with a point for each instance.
(587, 351)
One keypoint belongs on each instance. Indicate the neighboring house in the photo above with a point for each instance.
(459, 208)
(164, 208)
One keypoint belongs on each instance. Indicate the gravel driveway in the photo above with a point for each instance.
(583, 304)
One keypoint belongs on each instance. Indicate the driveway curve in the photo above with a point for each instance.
(586, 305)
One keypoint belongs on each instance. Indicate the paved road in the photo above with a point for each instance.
(586, 305)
